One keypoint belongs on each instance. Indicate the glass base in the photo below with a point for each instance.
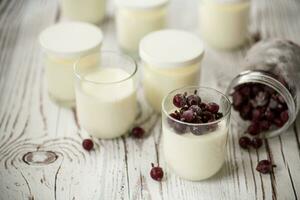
(63, 103)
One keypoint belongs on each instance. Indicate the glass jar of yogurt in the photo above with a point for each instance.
(92, 11)
(171, 59)
(106, 99)
(224, 23)
(63, 44)
(266, 94)
(135, 19)
(195, 149)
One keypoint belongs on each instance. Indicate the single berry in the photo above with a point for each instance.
(156, 173)
(137, 132)
(264, 125)
(245, 142)
(213, 107)
(284, 116)
(254, 129)
(257, 114)
(256, 143)
(87, 144)
(187, 116)
(196, 109)
(265, 166)
(206, 116)
(179, 100)
(178, 127)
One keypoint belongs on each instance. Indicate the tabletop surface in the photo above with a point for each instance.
(32, 127)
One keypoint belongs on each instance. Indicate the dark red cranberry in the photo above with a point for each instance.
(137, 132)
(193, 100)
(245, 142)
(156, 173)
(179, 100)
(284, 116)
(257, 114)
(207, 116)
(213, 107)
(187, 116)
(203, 106)
(264, 125)
(245, 112)
(88, 144)
(245, 90)
(254, 129)
(196, 109)
(256, 143)
(265, 166)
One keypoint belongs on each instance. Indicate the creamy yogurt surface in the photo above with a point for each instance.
(106, 102)
(195, 157)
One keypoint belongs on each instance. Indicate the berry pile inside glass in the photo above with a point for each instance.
(195, 122)
(262, 106)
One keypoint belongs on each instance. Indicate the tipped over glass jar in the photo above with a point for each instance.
(267, 93)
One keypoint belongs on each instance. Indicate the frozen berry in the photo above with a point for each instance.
(179, 100)
(137, 132)
(213, 107)
(187, 116)
(87, 144)
(265, 166)
(254, 129)
(284, 116)
(196, 109)
(207, 116)
(256, 143)
(156, 173)
(244, 142)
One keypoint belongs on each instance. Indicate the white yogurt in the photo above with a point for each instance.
(195, 157)
(106, 110)
(171, 59)
(135, 19)
(92, 11)
(63, 44)
(224, 24)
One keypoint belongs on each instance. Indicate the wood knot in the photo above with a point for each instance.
(40, 157)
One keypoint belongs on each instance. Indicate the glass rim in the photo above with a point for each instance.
(120, 55)
(227, 111)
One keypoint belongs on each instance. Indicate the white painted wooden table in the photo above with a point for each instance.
(119, 169)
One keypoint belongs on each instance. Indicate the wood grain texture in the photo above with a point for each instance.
(40, 143)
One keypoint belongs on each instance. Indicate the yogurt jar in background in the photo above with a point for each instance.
(171, 59)
(266, 94)
(92, 11)
(136, 18)
(63, 44)
(224, 23)
(195, 151)
(106, 98)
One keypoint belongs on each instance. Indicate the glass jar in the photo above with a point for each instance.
(224, 23)
(63, 44)
(135, 19)
(267, 92)
(195, 151)
(106, 99)
(92, 11)
(171, 59)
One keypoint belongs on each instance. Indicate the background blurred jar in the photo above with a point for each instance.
(63, 44)
(92, 11)
(136, 18)
(171, 59)
(224, 23)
